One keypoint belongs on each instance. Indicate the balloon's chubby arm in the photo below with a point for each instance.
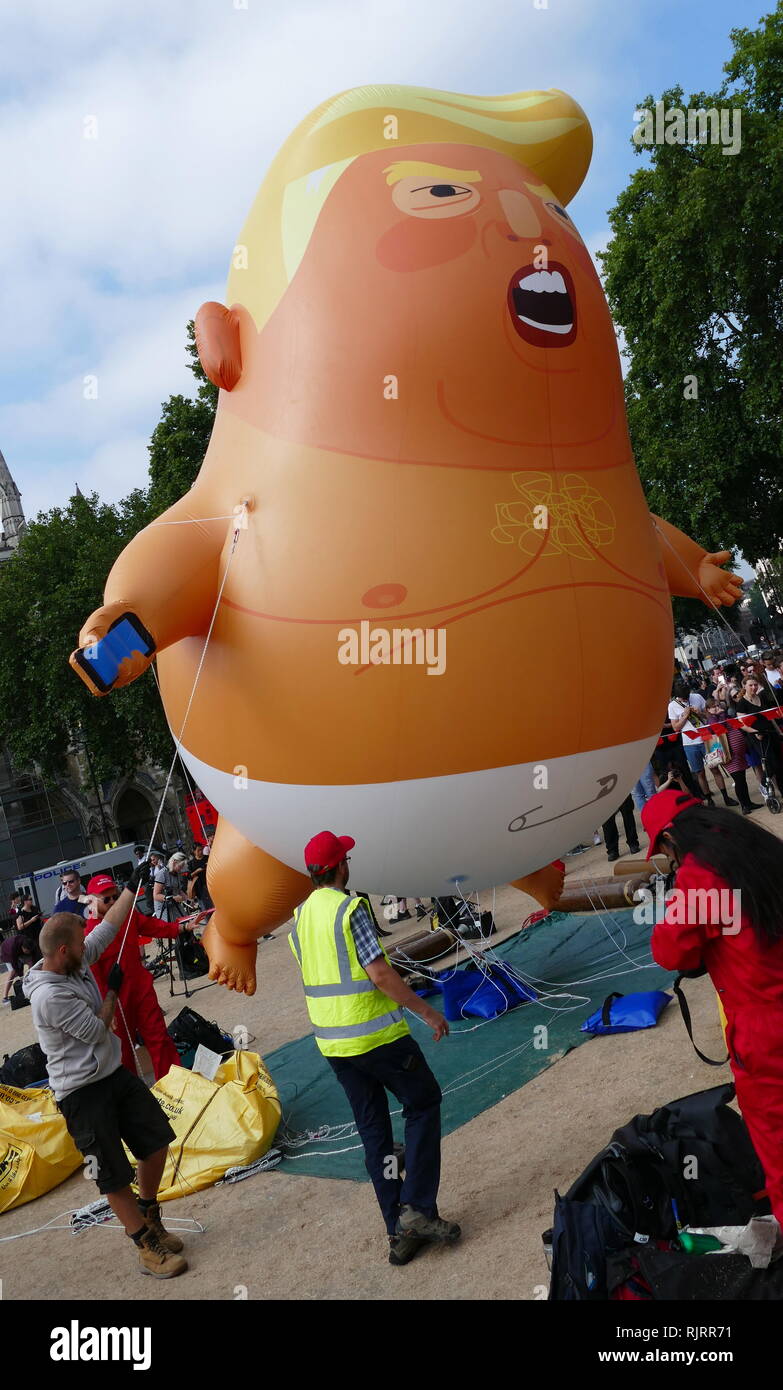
(691, 572)
(162, 588)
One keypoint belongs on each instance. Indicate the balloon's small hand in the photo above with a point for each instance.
(97, 628)
(720, 585)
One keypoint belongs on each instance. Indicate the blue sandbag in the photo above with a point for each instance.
(470, 993)
(627, 1013)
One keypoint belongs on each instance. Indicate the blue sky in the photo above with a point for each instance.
(110, 245)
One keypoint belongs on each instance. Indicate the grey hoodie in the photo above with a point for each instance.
(79, 1048)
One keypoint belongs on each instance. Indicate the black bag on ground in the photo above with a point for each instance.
(704, 1147)
(24, 1068)
(695, 1152)
(189, 1030)
(674, 1276)
(18, 999)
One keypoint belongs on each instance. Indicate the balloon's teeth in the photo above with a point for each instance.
(544, 282)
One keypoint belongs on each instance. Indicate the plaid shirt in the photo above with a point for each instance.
(364, 935)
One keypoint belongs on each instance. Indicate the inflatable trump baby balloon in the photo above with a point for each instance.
(420, 553)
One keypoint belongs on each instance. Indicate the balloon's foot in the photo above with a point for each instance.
(229, 965)
(545, 885)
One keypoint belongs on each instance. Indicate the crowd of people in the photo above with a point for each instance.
(704, 701)
(170, 885)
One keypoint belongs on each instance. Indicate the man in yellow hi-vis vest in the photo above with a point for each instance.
(355, 1000)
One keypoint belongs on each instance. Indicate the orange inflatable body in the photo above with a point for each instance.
(444, 622)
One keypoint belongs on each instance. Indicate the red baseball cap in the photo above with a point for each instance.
(101, 883)
(659, 812)
(326, 850)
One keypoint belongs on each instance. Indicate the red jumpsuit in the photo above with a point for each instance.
(749, 981)
(137, 1002)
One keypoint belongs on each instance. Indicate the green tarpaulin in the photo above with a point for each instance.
(573, 960)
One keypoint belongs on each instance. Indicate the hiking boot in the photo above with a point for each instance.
(403, 1249)
(154, 1260)
(415, 1223)
(151, 1214)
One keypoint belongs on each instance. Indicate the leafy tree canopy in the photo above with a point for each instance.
(694, 276)
(56, 579)
(179, 441)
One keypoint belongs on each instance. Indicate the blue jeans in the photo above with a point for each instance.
(644, 788)
(694, 752)
(401, 1068)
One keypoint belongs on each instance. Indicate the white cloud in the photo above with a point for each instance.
(114, 242)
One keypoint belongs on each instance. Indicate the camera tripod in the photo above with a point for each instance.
(170, 954)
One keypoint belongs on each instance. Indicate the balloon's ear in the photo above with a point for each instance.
(217, 341)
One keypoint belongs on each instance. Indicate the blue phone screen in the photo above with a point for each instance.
(121, 641)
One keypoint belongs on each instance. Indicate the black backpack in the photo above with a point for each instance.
(582, 1237)
(693, 1154)
(27, 1067)
(189, 1030)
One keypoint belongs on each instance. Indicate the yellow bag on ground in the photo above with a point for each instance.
(219, 1124)
(36, 1150)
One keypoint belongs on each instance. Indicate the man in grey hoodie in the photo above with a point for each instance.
(102, 1102)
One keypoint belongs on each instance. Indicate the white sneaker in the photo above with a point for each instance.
(596, 837)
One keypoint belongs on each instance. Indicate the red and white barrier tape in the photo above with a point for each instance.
(707, 731)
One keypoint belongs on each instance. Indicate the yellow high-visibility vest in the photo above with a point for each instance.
(349, 1015)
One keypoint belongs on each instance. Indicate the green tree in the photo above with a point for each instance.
(47, 589)
(693, 275)
(179, 441)
(56, 579)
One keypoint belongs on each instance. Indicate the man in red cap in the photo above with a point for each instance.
(138, 1010)
(355, 1001)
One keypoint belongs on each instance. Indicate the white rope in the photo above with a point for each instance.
(131, 1043)
(184, 765)
(195, 520)
(237, 528)
(183, 1223)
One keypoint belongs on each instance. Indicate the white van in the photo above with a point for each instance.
(44, 883)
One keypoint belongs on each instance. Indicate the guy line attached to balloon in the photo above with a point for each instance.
(91, 653)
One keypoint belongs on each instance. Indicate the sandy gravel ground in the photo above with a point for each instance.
(289, 1237)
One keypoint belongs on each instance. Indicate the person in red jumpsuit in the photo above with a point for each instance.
(739, 940)
(138, 1010)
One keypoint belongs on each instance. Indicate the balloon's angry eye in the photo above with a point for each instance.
(561, 212)
(433, 199)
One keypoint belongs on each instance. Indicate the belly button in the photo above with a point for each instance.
(384, 596)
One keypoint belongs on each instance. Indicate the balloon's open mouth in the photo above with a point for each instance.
(542, 305)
